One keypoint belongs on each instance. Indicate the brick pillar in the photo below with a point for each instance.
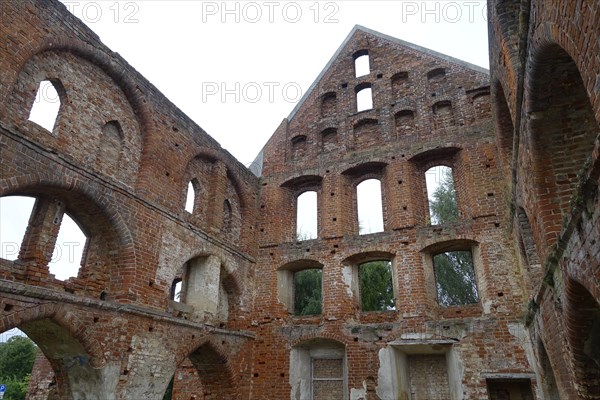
(40, 236)
(218, 188)
(347, 206)
(329, 207)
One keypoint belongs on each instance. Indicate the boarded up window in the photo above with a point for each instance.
(110, 145)
(327, 379)
(400, 86)
(328, 105)
(428, 377)
(299, 146)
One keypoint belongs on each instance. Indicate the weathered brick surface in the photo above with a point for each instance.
(546, 101)
(524, 153)
(130, 203)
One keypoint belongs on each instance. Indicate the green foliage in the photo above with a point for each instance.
(16, 389)
(17, 356)
(443, 206)
(307, 292)
(455, 278)
(376, 287)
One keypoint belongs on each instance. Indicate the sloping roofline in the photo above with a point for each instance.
(256, 165)
(392, 39)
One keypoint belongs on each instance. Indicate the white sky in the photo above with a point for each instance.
(196, 52)
(218, 60)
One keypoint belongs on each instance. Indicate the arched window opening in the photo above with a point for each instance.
(329, 140)
(443, 115)
(436, 74)
(68, 251)
(328, 105)
(14, 214)
(308, 291)
(227, 216)
(361, 63)
(307, 216)
(441, 195)
(299, 147)
(376, 286)
(481, 105)
(369, 207)
(400, 85)
(176, 287)
(364, 99)
(190, 198)
(110, 143)
(455, 278)
(46, 105)
(405, 122)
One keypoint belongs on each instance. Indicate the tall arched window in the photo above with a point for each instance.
(68, 251)
(46, 105)
(361, 63)
(307, 216)
(190, 197)
(364, 98)
(14, 214)
(441, 195)
(369, 206)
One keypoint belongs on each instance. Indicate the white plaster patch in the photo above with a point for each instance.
(487, 306)
(347, 277)
(359, 394)
(416, 336)
(170, 247)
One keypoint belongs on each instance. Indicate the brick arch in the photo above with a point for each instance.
(507, 15)
(300, 264)
(98, 58)
(77, 329)
(82, 194)
(332, 337)
(212, 362)
(583, 334)
(436, 245)
(231, 167)
(553, 84)
(368, 255)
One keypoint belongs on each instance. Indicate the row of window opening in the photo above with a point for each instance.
(45, 112)
(441, 196)
(455, 282)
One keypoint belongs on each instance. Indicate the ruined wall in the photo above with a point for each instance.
(544, 58)
(428, 110)
(118, 160)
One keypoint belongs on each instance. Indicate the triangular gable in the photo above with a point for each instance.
(348, 40)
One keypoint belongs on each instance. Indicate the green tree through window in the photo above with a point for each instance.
(442, 202)
(376, 286)
(455, 278)
(307, 292)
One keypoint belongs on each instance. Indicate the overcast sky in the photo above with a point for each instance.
(238, 68)
(218, 60)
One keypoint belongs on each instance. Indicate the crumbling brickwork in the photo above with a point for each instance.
(521, 142)
(544, 78)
